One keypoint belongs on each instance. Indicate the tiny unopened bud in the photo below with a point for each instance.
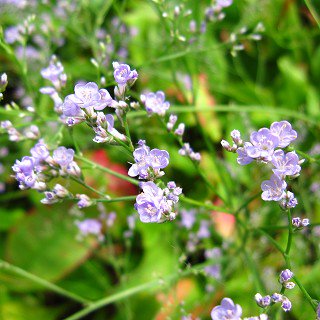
(289, 285)
(60, 191)
(180, 130)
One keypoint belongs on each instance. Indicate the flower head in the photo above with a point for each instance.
(123, 74)
(63, 156)
(155, 102)
(286, 164)
(88, 95)
(263, 144)
(283, 130)
(273, 189)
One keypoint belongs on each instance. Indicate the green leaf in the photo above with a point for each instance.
(45, 244)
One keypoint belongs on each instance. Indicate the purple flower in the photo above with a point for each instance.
(243, 158)
(283, 130)
(89, 227)
(155, 102)
(39, 152)
(188, 218)
(123, 74)
(25, 166)
(55, 73)
(157, 159)
(88, 95)
(150, 204)
(263, 144)
(224, 3)
(318, 311)
(140, 167)
(227, 310)
(213, 271)
(70, 108)
(203, 231)
(286, 164)
(13, 34)
(63, 156)
(273, 189)
(145, 160)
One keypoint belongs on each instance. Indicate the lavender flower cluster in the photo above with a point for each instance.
(264, 147)
(148, 163)
(154, 204)
(36, 170)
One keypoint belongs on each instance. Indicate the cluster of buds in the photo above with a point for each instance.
(186, 149)
(284, 278)
(299, 223)
(31, 132)
(266, 301)
(55, 73)
(36, 170)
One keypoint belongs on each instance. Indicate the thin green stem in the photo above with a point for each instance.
(305, 293)
(204, 205)
(127, 198)
(152, 285)
(87, 186)
(42, 282)
(126, 128)
(290, 234)
(107, 170)
(287, 112)
(267, 235)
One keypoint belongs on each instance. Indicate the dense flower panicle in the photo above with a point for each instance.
(273, 189)
(148, 163)
(63, 156)
(155, 204)
(88, 95)
(155, 102)
(283, 130)
(123, 74)
(286, 164)
(263, 148)
(227, 310)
